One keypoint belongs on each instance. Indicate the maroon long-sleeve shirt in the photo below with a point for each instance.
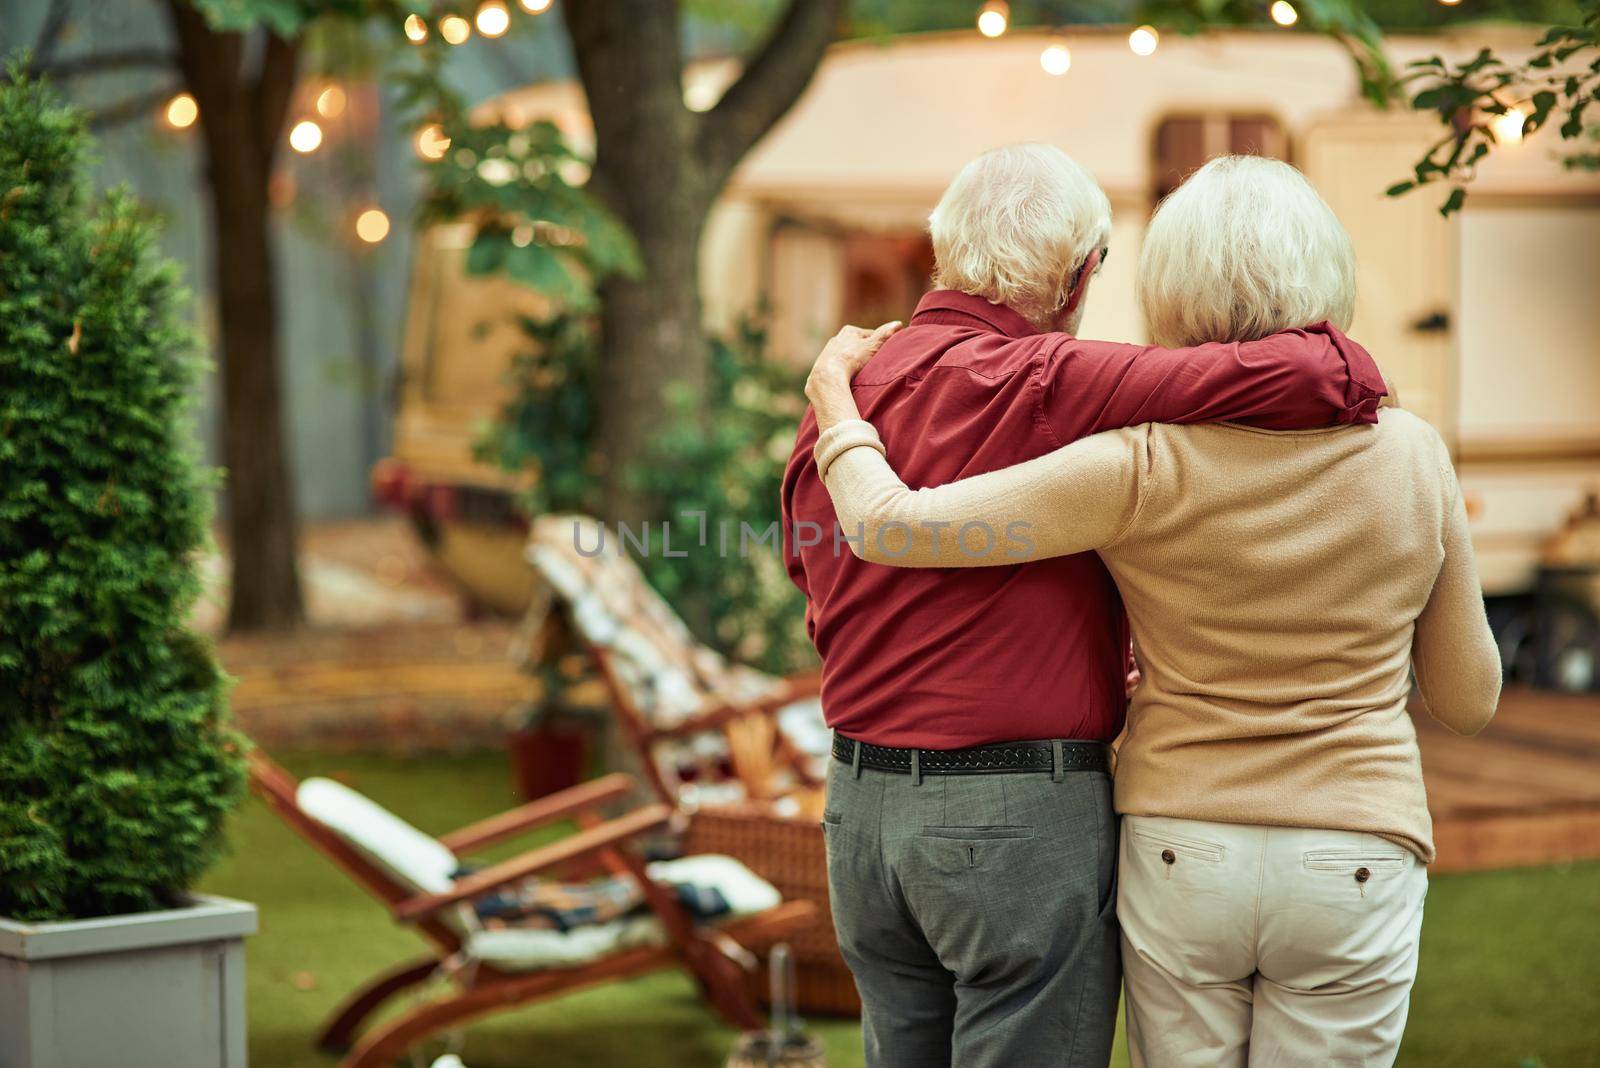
(943, 659)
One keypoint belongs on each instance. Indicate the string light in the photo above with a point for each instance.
(1508, 128)
(331, 102)
(493, 19)
(306, 137)
(1449, 3)
(1283, 13)
(182, 111)
(1056, 58)
(431, 142)
(372, 226)
(535, 7)
(416, 28)
(1143, 41)
(454, 29)
(700, 95)
(994, 17)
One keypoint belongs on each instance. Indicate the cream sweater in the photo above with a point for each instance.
(1280, 585)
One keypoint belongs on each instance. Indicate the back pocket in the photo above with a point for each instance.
(1180, 845)
(1348, 860)
(977, 834)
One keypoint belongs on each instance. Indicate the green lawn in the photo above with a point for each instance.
(1510, 970)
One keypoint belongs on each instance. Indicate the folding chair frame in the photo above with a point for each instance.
(484, 990)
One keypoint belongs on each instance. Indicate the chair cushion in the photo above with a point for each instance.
(419, 862)
(533, 948)
(745, 892)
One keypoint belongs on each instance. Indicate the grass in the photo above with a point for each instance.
(1509, 975)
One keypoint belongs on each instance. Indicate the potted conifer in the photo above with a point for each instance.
(117, 766)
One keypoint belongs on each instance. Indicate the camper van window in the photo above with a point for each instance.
(1183, 142)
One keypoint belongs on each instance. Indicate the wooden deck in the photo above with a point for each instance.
(1526, 791)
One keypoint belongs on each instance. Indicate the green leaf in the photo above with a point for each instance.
(488, 252)
(1543, 102)
(1399, 188)
(283, 17)
(1453, 202)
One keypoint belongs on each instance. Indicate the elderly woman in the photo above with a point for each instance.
(1281, 587)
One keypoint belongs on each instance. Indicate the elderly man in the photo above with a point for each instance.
(971, 839)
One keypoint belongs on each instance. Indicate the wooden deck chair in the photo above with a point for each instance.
(414, 876)
(705, 730)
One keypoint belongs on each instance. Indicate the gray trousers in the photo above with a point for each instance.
(978, 916)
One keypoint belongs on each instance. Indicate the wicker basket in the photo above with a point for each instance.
(788, 853)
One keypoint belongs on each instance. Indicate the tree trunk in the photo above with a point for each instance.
(647, 171)
(262, 524)
(659, 166)
(242, 119)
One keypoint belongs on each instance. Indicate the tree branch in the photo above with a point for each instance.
(100, 62)
(131, 108)
(771, 83)
(55, 21)
(272, 93)
(209, 60)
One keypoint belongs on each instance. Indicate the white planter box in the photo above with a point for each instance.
(152, 989)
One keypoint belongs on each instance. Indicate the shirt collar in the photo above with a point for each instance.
(951, 307)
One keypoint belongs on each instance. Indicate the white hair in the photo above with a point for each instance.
(1015, 226)
(1243, 249)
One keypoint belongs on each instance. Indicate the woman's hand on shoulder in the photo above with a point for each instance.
(846, 353)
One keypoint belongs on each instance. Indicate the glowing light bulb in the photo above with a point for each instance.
(454, 29)
(416, 29)
(1283, 13)
(535, 7)
(372, 226)
(1449, 3)
(431, 142)
(700, 95)
(331, 102)
(306, 137)
(1056, 58)
(1143, 40)
(493, 19)
(993, 18)
(182, 111)
(1508, 128)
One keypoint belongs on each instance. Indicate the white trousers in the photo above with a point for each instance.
(1268, 946)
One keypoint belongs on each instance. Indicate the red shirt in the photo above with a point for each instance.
(943, 659)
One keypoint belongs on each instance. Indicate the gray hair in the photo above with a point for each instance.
(1015, 225)
(1244, 248)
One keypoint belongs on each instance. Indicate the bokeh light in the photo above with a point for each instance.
(1508, 128)
(993, 18)
(331, 102)
(1056, 58)
(431, 142)
(372, 226)
(306, 137)
(182, 111)
(454, 29)
(493, 19)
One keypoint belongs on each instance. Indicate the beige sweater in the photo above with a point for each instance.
(1279, 586)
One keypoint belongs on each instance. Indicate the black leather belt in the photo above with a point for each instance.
(979, 760)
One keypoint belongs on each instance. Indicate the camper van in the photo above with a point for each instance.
(1488, 322)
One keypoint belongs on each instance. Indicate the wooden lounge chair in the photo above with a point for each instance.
(413, 876)
(756, 745)
(706, 731)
